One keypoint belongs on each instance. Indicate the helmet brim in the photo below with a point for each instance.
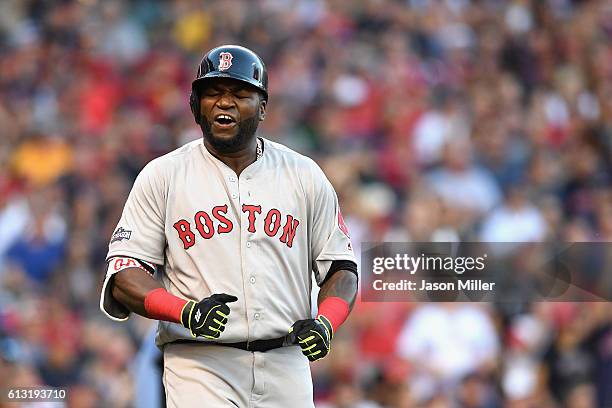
(198, 83)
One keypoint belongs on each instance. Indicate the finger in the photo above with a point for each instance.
(315, 356)
(223, 298)
(296, 330)
(306, 341)
(215, 329)
(222, 311)
(301, 326)
(215, 332)
(308, 349)
(221, 318)
(319, 337)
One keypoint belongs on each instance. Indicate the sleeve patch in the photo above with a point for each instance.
(121, 234)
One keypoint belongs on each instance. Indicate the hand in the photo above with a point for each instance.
(208, 317)
(314, 336)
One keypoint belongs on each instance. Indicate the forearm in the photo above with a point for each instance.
(130, 288)
(342, 284)
(337, 297)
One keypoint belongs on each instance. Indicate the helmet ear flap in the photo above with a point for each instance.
(194, 103)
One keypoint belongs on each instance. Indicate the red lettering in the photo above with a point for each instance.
(207, 232)
(219, 212)
(289, 230)
(205, 225)
(184, 230)
(271, 227)
(251, 209)
(122, 263)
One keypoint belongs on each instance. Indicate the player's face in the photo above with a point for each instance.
(231, 112)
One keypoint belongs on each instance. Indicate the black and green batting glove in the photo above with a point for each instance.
(314, 336)
(207, 318)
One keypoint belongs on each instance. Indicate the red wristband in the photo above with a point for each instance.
(335, 309)
(162, 305)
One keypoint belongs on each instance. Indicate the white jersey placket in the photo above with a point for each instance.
(248, 248)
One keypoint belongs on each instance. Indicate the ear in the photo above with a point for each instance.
(262, 109)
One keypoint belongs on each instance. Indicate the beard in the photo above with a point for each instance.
(246, 131)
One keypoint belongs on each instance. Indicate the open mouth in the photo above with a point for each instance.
(224, 120)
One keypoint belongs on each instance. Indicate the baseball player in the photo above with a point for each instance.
(219, 240)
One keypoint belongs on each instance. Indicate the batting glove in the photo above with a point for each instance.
(314, 336)
(208, 317)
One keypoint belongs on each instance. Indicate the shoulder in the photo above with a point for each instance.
(289, 157)
(304, 169)
(178, 156)
(159, 172)
(174, 159)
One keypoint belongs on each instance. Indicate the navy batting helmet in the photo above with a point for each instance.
(228, 61)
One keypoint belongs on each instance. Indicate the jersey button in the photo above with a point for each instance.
(248, 244)
(234, 195)
(257, 316)
(232, 178)
(252, 279)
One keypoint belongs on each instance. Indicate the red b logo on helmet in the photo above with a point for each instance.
(225, 61)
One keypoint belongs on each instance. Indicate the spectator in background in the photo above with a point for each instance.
(445, 342)
(465, 188)
(39, 249)
(41, 160)
(441, 125)
(477, 391)
(425, 219)
(516, 220)
(14, 216)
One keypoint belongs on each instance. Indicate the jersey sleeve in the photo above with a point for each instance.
(140, 232)
(330, 237)
(139, 235)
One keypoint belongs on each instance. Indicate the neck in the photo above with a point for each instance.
(238, 160)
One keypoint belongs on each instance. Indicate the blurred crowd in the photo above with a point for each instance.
(436, 120)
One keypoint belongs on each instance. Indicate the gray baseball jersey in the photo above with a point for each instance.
(259, 236)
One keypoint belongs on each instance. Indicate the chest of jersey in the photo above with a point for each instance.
(220, 207)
